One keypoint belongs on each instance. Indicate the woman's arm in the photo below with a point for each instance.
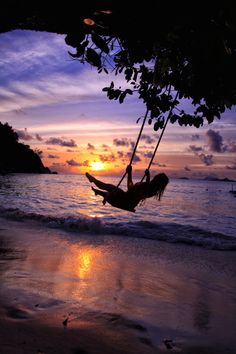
(129, 179)
(147, 174)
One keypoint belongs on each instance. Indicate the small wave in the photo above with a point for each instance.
(168, 232)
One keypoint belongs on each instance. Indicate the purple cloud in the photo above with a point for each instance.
(105, 147)
(136, 158)
(195, 137)
(206, 159)
(19, 111)
(148, 139)
(72, 162)
(85, 163)
(195, 149)
(38, 137)
(121, 142)
(120, 154)
(90, 147)
(107, 158)
(215, 141)
(231, 146)
(50, 156)
(24, 135)
(58, 141)
(75, 163)
(148, 154)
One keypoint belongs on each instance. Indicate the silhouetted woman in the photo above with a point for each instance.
(136, 192)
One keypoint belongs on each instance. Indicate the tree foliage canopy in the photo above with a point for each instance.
(163, 51)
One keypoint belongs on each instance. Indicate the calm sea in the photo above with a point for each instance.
(202, 213)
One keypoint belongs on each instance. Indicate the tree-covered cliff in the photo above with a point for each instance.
(16, 157)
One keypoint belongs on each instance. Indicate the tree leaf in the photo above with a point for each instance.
(174, 118)
(73, 55)
(128, 74)
(93, 57)
(79, 50)
(122, 97)
(138, 120)
(100, 43)
(74, 40)
(156, 126)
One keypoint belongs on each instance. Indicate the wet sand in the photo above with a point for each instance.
(67, 293)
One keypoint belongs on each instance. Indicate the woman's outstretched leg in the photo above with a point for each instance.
(100, 184)
(98, 192)
(102, 193)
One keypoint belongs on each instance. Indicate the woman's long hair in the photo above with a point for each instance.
(158, 185)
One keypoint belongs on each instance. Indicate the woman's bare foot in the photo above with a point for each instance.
(95, 191)
(90, 177)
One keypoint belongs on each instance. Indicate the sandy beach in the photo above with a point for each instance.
(84, 294)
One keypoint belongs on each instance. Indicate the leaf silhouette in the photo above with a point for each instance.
(100, 43)
(74, 39)
(93, 57)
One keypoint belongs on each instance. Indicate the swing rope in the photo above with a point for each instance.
(159, 140)
(135, 148)
(158, 143)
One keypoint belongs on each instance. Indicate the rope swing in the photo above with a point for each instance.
(158, 142)
(136, 145)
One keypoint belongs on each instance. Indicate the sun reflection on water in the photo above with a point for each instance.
(84, 263)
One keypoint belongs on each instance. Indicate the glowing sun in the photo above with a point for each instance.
(96, 166)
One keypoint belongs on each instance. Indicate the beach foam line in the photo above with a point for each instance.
(168, 232)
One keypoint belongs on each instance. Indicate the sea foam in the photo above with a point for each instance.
(168, 232)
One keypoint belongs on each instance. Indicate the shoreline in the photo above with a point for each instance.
(169, 232)
(63, 292)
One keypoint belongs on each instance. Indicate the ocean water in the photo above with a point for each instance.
(197, 212)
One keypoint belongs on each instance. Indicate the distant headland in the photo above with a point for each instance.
(219, 179)
(211, 178)
(16, 157)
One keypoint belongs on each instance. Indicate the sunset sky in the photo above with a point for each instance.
(56, 105)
